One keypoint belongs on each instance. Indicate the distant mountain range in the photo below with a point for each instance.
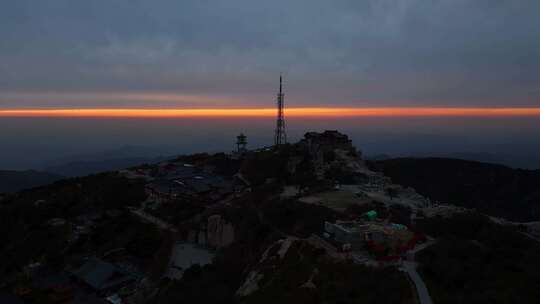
(109, 160)
(78, 165)
(82, 168)
(514, 161)
(490, 188)
(13, 181)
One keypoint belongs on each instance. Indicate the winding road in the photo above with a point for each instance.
(409, 266)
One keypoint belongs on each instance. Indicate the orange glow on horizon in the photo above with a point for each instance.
(270, 112)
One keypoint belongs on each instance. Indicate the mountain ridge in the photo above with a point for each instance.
(494, 189)
(13, 181)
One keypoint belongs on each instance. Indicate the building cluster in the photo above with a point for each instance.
(176, 181)
(382, 239)
(94, 280)
(103, 277)
(321, 144)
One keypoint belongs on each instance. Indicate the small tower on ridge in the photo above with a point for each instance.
(241, 142)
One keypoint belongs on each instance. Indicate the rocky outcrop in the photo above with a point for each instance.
(250, 285)
(285, 245)
(219, 232)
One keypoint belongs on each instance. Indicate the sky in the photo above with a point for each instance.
(228, 54)
(400, 77)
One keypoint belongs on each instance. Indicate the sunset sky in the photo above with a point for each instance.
(334, 112)
(228, 54)
(400, 77)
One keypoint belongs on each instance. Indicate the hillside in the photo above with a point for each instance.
(12, 181)
(299, 223)
(494, 189)
(478, 261)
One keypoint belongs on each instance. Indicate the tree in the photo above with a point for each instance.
(392, 192)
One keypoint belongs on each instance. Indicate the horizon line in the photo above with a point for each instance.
(271, 112)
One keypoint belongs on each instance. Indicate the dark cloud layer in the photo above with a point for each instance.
(372, 52)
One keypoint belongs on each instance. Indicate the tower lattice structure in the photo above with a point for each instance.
(280, 137)
(241, 142)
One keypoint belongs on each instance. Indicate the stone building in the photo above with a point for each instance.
(328, 141)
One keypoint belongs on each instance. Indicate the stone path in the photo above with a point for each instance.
(154, 220)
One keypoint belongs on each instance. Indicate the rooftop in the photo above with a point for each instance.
(101, 275)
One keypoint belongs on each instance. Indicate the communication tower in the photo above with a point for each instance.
(280, 136)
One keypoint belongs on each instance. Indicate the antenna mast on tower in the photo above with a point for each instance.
(280, 136)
